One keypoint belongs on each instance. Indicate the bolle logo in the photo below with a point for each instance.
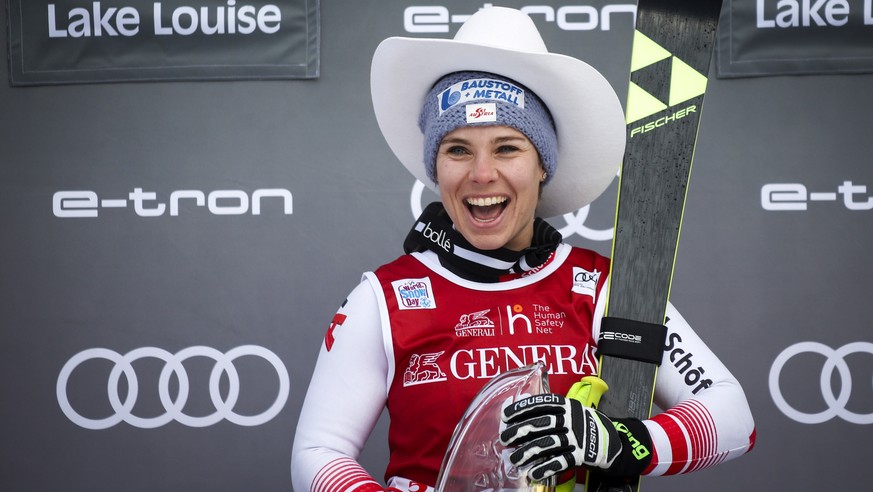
(84, 204)
(438, 237)
(437, 18)
(796, 197)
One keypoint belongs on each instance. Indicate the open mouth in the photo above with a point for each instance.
(486, 209)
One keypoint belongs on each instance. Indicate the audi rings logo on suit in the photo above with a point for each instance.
(174, 406)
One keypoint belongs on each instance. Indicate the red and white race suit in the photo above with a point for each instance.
(421, 341)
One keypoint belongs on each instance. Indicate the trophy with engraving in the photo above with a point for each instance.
(475, 460)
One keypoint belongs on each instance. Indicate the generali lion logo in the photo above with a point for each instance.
(423, 368)
(475, 324)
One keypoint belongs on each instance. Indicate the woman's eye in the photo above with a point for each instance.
(456, 150)
(506, 149)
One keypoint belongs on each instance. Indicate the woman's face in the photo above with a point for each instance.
(489, 179)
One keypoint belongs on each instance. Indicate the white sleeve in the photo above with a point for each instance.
(346, 395)
(706, 418)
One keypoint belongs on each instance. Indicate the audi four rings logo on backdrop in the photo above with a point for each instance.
(122, 406)
(575, 222)
(834, 360)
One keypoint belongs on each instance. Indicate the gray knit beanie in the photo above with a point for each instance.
(480, 98)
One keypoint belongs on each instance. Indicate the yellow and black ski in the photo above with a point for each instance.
(672, 49)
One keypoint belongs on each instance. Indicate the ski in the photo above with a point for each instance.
(672, 49)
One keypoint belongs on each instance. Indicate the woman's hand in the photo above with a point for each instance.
(554, 434)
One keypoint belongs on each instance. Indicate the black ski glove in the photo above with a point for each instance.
(555, 434)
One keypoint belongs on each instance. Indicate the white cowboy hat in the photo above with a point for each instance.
(588, 117)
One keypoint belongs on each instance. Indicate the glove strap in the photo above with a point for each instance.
(636, 448)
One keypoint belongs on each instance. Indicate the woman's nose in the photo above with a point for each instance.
(484, 169)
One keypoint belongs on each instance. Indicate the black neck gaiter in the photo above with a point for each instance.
(434, 231)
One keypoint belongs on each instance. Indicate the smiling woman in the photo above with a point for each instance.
(489, 181)
(508, 133)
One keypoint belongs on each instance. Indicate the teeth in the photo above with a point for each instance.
(486, 202)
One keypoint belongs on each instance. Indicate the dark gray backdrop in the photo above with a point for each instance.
(753, 281)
